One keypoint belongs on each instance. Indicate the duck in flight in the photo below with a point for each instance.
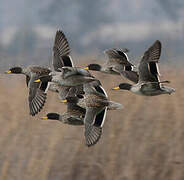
(118, 64)
(96, 103)
(149, 83)
(37, 95)
(74, 115)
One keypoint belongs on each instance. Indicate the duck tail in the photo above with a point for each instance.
(164, 82)
(114, 105)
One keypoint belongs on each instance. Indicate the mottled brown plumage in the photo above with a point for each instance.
(96, 103)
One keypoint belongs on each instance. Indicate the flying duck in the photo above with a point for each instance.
(96, 103)
(74, 115)
(37, 95)
(118, 63)
(149, 83)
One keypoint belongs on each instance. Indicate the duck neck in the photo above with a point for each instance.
(25, 71)
(60, 118)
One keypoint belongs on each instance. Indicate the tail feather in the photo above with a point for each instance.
(114, 105)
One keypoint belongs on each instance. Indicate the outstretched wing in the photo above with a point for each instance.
(93, 131)
(37, 96)
(119, 62)
(118, 56)
(131, 75)
(61, 51)
(148, 67)
(95, 117)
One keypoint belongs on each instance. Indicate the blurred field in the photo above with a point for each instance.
(144, 141)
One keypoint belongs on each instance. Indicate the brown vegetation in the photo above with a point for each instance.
(144, 141)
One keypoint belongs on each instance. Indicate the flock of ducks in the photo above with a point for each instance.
(87, 102)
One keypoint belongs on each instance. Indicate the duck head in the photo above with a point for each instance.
(124, 86)
(14, 70)
(73, 100)
(94, 67)
(52, 116)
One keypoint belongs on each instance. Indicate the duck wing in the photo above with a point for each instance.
(37, 95)
(61, 51)
(119, 62)
(129, 74)
(95, 117)
(119, 56)
(93, 125)
(148, 67)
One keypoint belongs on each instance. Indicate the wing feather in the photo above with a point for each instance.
(93, 126)
(148, 69)
(37, 97)
(61, 51)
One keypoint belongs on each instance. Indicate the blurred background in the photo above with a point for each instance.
(144, 141)
(27, 28)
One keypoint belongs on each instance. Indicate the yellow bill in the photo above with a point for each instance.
(38, 80)
(8, 72)
(64, 101)
(45, 117)
(116, 88)
(86, 68)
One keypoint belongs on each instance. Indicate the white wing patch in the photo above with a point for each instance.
(158, 69)
(126, 56)
(71, 61)
(104, 117)
(105, 110)
(103, 91)
(47, 87)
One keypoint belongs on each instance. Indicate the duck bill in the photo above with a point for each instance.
(86, 68)
(116, 88)
(64, 101)
(45, 117)
(37, 81)
(8, 72)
